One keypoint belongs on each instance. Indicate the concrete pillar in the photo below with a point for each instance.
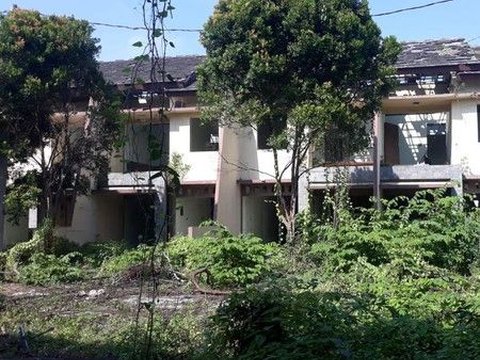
(377, 190)
(228, 197)
(160, 212)
(303, 193)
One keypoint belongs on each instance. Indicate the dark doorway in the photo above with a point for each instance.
(437, 144)
(392, 153)
(139, 219)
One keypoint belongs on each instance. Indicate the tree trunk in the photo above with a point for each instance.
(3, 188)
(42, 211)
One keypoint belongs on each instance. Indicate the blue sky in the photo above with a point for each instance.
(458, 18)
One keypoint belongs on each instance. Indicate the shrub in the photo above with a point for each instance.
(232, 261)
(98, 252)
(120, 262)
(42, 242)
(3, 263)
(46, 268)
(430, 228)
(280, 322)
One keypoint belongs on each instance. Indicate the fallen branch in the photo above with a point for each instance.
(194, 278)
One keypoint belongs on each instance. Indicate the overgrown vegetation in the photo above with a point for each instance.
(360, 284)
(232, 261)
(400, 283)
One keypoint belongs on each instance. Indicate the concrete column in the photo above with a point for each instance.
(303, 193)
(160, 212)
(228, 197)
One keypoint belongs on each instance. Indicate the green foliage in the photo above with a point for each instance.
(232, 261)
(408, 234)
(391, 284)
(304, 70)
(19, 199)
(45, 258)
(178, 165)
(3, 264)
(42, 57)
(48, 66)
(20, 254)
(129, 258)
(282, 322)
(176, 337)
(43, 269)
(98, 252)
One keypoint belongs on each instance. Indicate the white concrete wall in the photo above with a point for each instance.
(95, 218)
(413, 134)
(464, 137)
(16, 233)
(203, 164)
(228, 199)
(84, 222)
(191, 211)
(258, 164)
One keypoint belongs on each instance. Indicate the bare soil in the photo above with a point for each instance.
(39, 310)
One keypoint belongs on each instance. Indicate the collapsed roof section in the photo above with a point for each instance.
(180, 70)
(434, 53)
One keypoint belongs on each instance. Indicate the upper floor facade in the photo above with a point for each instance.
(426, 135)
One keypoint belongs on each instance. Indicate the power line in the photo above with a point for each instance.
(142, 28)
(412, 8)
(139, 27)
(127, 27)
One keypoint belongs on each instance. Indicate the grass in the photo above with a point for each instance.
(65, 323)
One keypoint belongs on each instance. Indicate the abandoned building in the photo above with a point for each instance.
(427, 136)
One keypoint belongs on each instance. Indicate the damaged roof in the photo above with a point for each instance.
(428, 53)
(121, 72)
(181, 69)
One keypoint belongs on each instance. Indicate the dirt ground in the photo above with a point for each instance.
(39, 311)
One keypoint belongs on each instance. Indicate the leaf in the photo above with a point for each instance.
(137, 44)
(141, 58)
(171, 44)
(157, 33)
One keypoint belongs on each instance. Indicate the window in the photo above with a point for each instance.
(146, 147)
(203, 136)
(335, 146)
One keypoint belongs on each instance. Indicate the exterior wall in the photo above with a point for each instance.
(16, 233)
(203, 164)
(465, 144)
(191, 211)
(95, 218)
(84, 222)
(413, 134)
(257, 163)
(259, 217)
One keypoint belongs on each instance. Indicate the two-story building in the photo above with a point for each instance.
(427, 135)
(427, 132)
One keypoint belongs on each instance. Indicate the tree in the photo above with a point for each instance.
(304, 69)
(50, 78)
